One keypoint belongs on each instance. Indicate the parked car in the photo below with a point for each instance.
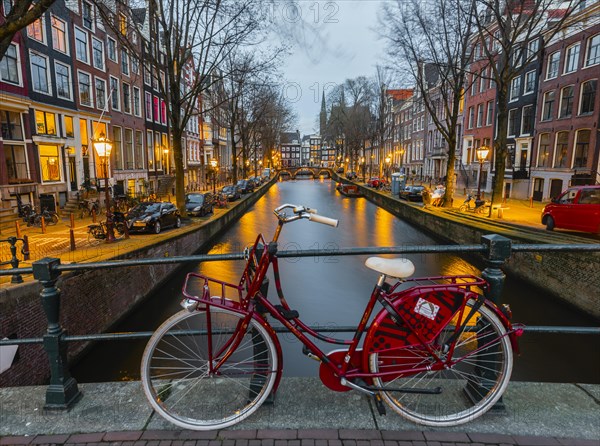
(576, 208)
(199, 203)
(153, 216)
(376, 182)
(246, 186)
(232, 193)
(412, 193)
(257, 181)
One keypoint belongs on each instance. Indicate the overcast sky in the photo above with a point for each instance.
(344, 46)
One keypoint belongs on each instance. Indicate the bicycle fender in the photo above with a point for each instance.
(513, 332)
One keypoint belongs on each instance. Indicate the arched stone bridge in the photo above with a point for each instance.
(315, 172)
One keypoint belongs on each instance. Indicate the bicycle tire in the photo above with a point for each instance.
(53, 218)
(178, 384)
(463, 208)
(469, 388)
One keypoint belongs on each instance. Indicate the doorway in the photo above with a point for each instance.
(538, 189)
(555, 188)
(73, 174)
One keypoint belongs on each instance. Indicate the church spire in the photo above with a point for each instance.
(323, 116)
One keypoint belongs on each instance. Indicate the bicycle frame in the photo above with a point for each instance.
(341, 371)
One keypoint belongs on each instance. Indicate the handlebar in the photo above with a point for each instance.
(302, 212)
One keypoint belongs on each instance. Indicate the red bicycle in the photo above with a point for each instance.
(437, 351)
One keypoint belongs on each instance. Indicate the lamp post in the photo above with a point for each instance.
(401, 159)
(166, 160)
(103, 147)
(482, 153)
(388, 160)
(213, 166)
(362, 167)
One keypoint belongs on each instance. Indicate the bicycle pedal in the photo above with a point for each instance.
(287, 314)
(379, 404)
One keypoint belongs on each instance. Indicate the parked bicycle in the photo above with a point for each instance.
(99, 231)
(437, 351)
(220, 200)
(474, 205)
(88, 207)
(35, 219)
(24, 209)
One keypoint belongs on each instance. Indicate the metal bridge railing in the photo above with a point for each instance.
(63, 392)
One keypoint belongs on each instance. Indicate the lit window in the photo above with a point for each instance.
(49, 162)
(35, 30)
(562, 149)
(69, 131)
(45, 123)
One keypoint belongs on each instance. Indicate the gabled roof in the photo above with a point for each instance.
(400, 95)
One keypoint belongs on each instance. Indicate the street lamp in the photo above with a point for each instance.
(388, 160)
(482, 153)
(213, 165)
(103, 147)
(166, 160)
(401, 159)
(362, 167)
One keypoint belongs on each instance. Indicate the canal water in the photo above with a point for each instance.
(332, 291)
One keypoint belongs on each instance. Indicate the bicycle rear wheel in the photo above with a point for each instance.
(482, 365)
(176, 374)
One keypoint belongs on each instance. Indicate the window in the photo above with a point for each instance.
(553, 64)
(588, 96)
(532, 49)
(515, 88)
(124, 62)
(529, 82)
(136, 102)
(479, 115)
(473, 84)
(150, 145)
(63, 80)
(11, 126)
(527, 119)
(35, 30)
(482, 81)
(49, 162)
(85, 89)
(517, 57)
(566, 102)
(59, 35)
(139, 149)
(156, 109)
(39, 73)
(45, 123)
(98, 53)
(126, 98)
(128, 153)
(7, 4)
(163, 113)
(100, 85)
(118, 147)
(148, 106)
(135, 65)
(490, 113)
(81, 45)
(69, 132)
(562, 148)
(16, 164)
(513, 122)
(548, 106)
(471, 117)
(572, 58)
(123, 24)
(544, 151)
(593, 51)
(114, 93)
(112, 49)
(9, 66)
(147, 75)
(582, 147)
(87, 15)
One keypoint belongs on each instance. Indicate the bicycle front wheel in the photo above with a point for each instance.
(480, 369)
(183, 380)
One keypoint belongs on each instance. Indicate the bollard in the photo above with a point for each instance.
(72, 238)
(93, 215)
(62, 392)
(18, 228)
(43, 224)
(25, 248)
(72, 216)
(530, 202)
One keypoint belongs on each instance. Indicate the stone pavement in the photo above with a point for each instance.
(304, 414)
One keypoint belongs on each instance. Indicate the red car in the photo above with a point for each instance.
(576, 208)
(375, 182)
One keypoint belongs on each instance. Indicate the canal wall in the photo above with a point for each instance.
(93, 301)
(569, 276)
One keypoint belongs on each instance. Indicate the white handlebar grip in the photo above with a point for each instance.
(324, 220)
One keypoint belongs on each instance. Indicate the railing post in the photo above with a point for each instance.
(62, 392)
(14, 261)
(498, 251)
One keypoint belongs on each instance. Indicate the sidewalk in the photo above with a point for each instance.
(304, 414)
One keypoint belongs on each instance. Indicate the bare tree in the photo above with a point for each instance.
(190, 41)
(433, 40)
(22, 13)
